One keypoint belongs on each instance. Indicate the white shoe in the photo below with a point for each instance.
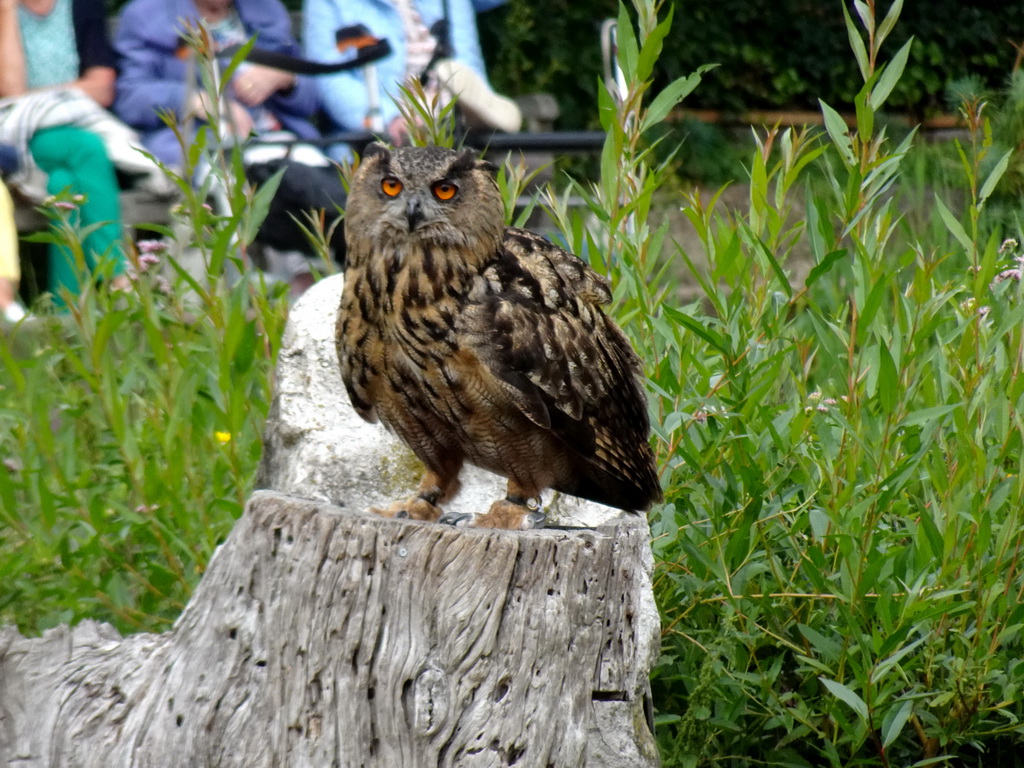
(482, 106)
(14, 313)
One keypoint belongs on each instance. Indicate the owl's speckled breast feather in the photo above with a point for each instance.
(476, 342)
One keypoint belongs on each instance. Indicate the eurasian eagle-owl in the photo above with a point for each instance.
(477, 342)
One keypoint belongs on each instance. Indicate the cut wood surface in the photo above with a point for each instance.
(320, 637)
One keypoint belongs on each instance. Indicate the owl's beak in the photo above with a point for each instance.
(413, 212)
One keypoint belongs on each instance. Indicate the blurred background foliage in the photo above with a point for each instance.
(772, 54)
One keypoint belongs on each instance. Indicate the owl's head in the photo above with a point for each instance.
(426, 195)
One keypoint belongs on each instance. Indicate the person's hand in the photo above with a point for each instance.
(255, 84)
(121, 283)
(240, 119)
(199, 106)
(398, 131)
(7, 292)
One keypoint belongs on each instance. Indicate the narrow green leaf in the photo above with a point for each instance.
(626, 43)
(830, 337)
(870, 309)
(737, 547)
(8, 503)
(847, 696)
(955, 227)
(674, 93)
(888, 22)
(996, 174)
(941, 759)
(929, 415)
(650, 50)
(245, 352)
(865, 114)
(609, 166)
(607, 110)
(105, 328)
(825, 647)
(839, 133)
(824, 266)
(885, 665)
(888, 380)
(892, 729)
(930, 536)
(891, 75)
(865, 13)
(716, 340)
(857, 44)
(260, 206)
(772, 261)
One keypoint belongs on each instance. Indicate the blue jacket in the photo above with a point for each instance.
(152, 77)
(9, 160)
(344, 95)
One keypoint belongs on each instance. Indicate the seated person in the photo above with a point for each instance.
(10, 269)
(260, 99)
(407, 25)
(11, 310)
(37, 52)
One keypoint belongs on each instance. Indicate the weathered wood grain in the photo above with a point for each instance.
(319, 637)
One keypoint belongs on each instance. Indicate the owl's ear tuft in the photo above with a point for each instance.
(374, 149)
(486, 165)
(467, 161)
(464, 162)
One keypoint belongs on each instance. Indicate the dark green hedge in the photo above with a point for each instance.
(773, 54)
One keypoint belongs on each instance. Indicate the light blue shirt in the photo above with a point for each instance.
(51, 56)
(344, 95)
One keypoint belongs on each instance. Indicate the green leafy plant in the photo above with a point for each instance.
(130, 425)
(838, 558)
(837, 561)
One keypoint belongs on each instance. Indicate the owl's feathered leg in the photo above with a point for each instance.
(433, 489)
(518, 511)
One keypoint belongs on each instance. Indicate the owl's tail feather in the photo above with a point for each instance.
(595, 484)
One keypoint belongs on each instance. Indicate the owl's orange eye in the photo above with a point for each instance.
(444, 190)
(391, 186)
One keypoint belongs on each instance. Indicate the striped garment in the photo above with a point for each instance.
(420, 45)
(21, 116)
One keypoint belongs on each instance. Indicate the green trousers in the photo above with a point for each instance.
(76, 160)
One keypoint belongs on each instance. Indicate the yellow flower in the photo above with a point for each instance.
(224, 437)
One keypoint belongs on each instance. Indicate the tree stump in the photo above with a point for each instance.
(326, 636)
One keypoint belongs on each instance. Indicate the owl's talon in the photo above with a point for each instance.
(511, 516)
(410, 509)
(535, 520)
(456, 519)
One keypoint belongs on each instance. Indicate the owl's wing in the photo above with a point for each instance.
(359, 344)
(535, 321)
